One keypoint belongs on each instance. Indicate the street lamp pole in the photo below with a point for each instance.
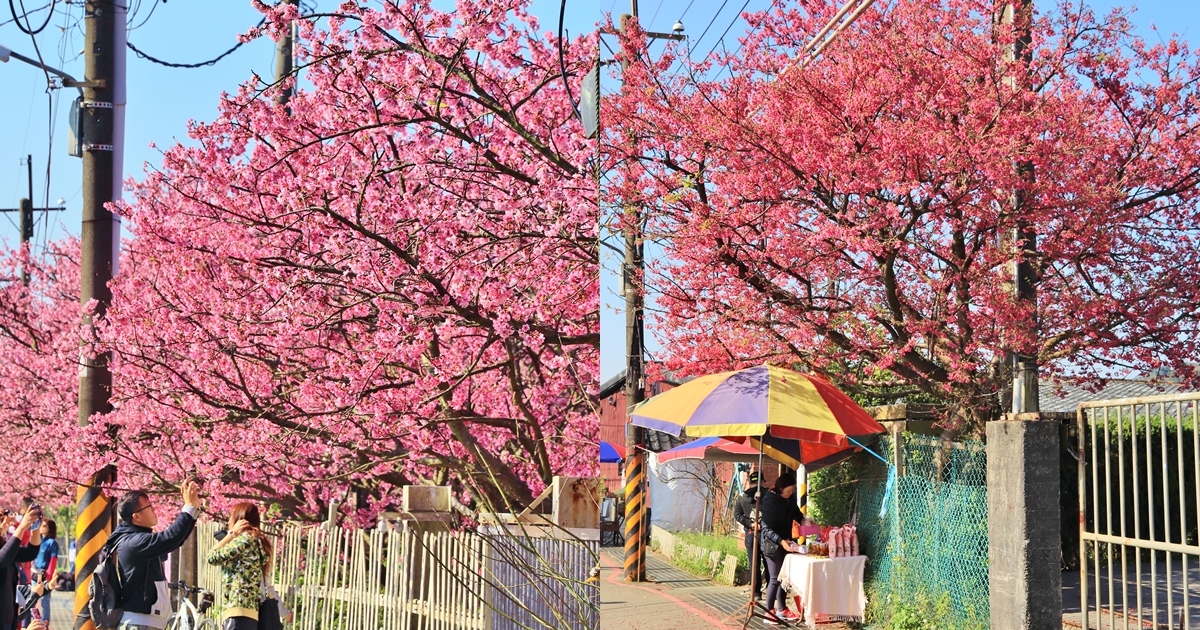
(67, 80)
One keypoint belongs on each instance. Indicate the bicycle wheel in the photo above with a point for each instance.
(173, 622)
(207, 624)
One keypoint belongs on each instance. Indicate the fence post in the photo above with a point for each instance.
(1024, 542)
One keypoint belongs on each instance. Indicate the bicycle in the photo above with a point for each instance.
(191, 616)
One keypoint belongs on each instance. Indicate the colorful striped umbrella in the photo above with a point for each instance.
(713, 449)
(611, 453)
(792, 453)
(759, 401)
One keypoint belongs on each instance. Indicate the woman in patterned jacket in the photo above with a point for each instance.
(244, 555)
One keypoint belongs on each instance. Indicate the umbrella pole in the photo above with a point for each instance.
(750, 606)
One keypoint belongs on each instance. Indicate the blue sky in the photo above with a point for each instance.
(161, 100)
(1167, 15)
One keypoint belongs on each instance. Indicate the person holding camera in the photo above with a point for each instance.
(141, 553)
(11, 554)
(31, 596)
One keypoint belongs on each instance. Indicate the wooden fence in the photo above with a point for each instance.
(387, 579)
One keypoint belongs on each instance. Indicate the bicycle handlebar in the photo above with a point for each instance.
(186, 588)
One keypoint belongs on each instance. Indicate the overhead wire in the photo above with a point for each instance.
(685, 10)
(14, 18)
(705, 32)
(210, 62)
(27, 28)
(655, 16)
(562, 64)
(153, 6)
(721, 41)
(741, 43)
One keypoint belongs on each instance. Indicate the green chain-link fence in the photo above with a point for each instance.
(929, 553)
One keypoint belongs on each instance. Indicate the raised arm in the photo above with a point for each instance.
(169, 539)
(13, 551)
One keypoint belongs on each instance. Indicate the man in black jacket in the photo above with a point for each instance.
(744, 513)
(141, 553)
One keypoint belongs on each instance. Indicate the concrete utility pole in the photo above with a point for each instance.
(26, 209)
(1024, 516)
(1025, 368)
(103, 127)
(635, 387)
(637, 528)
(284, 59)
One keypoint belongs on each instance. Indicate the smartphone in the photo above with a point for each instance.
(37, 613)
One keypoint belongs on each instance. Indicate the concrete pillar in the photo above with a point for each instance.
(1024, 542)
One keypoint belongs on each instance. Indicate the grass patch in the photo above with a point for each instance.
(715, 542)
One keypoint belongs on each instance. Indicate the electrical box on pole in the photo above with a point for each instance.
(75, 137)
(589, 102)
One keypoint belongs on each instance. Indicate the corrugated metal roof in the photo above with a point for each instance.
(617, 382)
(1065, 395)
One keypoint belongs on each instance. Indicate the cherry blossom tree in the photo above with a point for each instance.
(39, 347)
(855, 216)
(392, 280)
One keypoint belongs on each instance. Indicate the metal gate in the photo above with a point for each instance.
(1139, 503)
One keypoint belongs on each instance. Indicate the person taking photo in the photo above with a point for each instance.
(13, 553)
(141, 553)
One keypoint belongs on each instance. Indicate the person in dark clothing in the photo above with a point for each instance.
(745, 513)
(779, 510)
(12, 553)
(141, 553)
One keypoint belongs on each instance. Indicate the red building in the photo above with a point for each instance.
(613, 419)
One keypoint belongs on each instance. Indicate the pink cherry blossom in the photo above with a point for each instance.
(854, 216)
(392, 281)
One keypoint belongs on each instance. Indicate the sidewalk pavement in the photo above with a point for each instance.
(670, 599)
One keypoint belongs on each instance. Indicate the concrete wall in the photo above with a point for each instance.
(1025, 580)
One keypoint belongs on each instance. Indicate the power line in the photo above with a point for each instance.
(27, 13)
(148, 15)
(25, 28)
(656, 10)
(731, 23)
(741, 43)
(685, 10)
(710, 23)
(210, 62)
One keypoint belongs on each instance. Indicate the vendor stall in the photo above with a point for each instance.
(798, 416)
(825, 589)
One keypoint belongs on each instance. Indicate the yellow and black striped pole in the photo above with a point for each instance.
(635, 514)
(802, 490)
(91, 531)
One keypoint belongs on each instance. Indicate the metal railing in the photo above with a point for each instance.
(387, 579)
(1139, 505)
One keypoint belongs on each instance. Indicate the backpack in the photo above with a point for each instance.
(104, 590)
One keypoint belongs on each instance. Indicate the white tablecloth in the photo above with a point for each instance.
(826, 586)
